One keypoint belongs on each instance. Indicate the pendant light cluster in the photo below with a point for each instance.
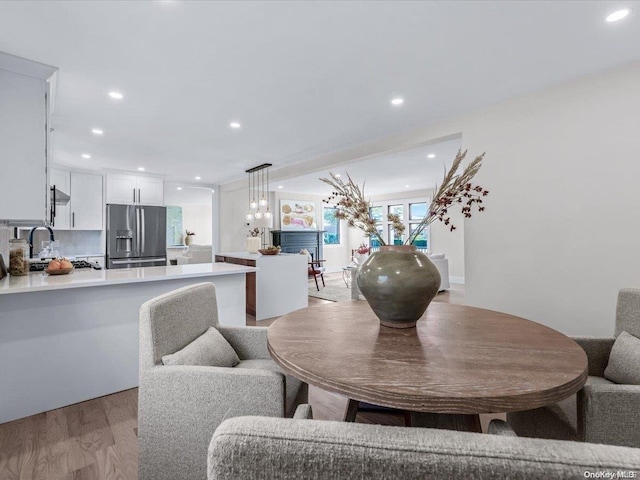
(259, 213)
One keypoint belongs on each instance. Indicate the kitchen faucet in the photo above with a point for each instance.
(31, 238)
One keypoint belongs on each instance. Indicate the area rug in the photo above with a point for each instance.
(334, 290)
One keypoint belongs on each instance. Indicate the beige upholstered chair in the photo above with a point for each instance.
(603, 411)
(181, 406)
(292, 449)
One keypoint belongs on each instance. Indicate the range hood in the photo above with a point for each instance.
(24, 223)
(58, 197)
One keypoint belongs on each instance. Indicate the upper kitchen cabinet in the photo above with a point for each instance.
(86, 204)
(84, 208)
(135, 189)
(25, 97)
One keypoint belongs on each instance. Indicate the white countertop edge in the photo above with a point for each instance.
(255, 256)
(38, 282)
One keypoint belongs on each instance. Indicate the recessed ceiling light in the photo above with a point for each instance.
(338, 175)
(86, 155)
(179, 188)
(235, 125)
(406, 186)
(116, 95)
(397, 101)
(198, 178)
(97, 131)
(618, 15)
(141, 169)
(431, 155)
(280, 186)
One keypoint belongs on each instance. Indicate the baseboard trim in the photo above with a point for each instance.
(457, 280)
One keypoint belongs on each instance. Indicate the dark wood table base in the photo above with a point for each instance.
(444, 421)
(447, 421)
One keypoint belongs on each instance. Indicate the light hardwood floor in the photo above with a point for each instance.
(97, 439)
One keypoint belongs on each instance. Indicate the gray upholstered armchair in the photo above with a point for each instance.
(180, 406)
(254, 448)
(603, 411)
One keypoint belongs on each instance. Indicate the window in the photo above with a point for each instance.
(421, 240)
(397, 210)
(331, 226)
(397, 239)
(410, 212)
(417, 211)
(376, 213)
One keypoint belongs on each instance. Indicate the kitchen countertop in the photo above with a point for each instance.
(252, 256)
(79, 278)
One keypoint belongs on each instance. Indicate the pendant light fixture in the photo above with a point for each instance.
(259, 212)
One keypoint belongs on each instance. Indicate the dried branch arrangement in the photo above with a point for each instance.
(456, 189)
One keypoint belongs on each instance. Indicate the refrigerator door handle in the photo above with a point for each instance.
(137, 231)
(134, 195)
(143, 227)
(139, 201)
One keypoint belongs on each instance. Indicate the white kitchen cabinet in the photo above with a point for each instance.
(85, 208)
(121, 189)
(86, 205)
(135, 189)
(60, 216)
(24, 131)
(150, 190)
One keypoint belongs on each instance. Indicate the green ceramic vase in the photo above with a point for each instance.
(398, 282)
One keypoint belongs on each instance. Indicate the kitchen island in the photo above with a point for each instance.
(279, 287)
(69, 338)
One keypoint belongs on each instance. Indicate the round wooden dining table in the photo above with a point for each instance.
(458, 362)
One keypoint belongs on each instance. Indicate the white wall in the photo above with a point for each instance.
(197, 204)
(197, 218)
(233, 227)
(560, 233)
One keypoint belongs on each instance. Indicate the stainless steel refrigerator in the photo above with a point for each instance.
(136, 236)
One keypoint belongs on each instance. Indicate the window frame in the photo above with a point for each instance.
(406, 220)
(338, 228)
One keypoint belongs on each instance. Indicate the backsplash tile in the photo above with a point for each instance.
(72, 242)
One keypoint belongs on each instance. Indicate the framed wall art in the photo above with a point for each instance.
(297, 215)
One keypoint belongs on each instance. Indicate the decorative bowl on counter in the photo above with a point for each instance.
(60, 271)
(60, 266)
(270, 251)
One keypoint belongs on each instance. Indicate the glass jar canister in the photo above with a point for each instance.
(18, 257)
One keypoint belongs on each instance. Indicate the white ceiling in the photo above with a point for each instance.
(176, 193)
(304, 78)
(405, 171)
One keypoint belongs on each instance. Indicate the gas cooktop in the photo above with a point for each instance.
(41, 266)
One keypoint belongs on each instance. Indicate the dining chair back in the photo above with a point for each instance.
(316, 269)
